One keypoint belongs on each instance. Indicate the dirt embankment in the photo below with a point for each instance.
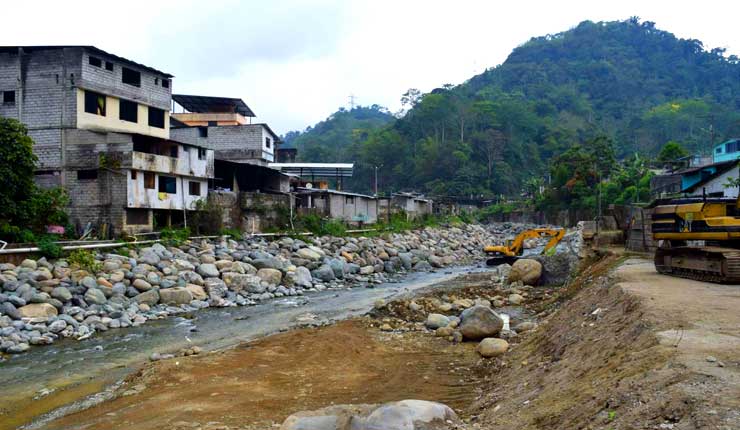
(616, 356)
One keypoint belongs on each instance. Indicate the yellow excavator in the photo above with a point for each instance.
(698, 238)
(513, 249)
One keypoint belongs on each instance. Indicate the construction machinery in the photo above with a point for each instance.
(512, 250)
(698, 238)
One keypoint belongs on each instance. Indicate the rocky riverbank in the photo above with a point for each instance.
(42, 301)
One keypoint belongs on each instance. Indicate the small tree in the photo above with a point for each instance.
(671, 151)
(17, 163)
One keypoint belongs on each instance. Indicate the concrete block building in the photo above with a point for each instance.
(101, 129)
(224, 125)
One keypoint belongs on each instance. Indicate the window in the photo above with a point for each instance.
(156, 117)
(349, 200)
(131, 77)
(109, 66)
(8, 97)
(137, 216)
(174, 151)
(201, 153)
(167, 184)
(268, 142)
(94, 103)
(718, 150)
(203, 131)
(193, 188)
(165, 83)
(212, 123)
(156, 81)
(87, 174)
(95, 61)
(129, 111)
(133, 175)
(149, 180)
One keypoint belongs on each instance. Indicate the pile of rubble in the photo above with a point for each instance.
(42, 301)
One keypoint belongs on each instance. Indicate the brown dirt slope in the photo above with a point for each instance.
(261, 383)
(604, 361)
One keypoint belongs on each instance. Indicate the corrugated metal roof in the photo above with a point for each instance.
(324, 170)
(208, 104)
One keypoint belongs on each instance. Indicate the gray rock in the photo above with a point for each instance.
(29, 264)
(142, 285)
(479, 322)
(526, 270)
(150, 298)
(95, 296)
(18, 348)
(492, 347)
(435, 321)
(88, 282)
(10, 310)
(208, 270)
(338, 266)
(268, 263)
(61, 293)
(175, 296)
(57, 326)
(149, 257)
(303, 277)
(324, 273)
(271, 276)
(423, 266)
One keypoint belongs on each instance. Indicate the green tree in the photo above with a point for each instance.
(17, 163)
(671, 151)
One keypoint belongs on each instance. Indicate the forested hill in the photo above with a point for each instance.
(627, 81)
(329, 140)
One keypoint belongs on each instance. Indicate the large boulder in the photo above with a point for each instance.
(175, 296)
(308, 254)
(479, 322)
(38, 310)
(271, 276)
(557, 268)
(197, 292)
(526, 270)
(303, 277)
(150, 298)
(249, 283)
(324, 273)
(492, 347)
(208, 270)
(95, 296)
(402, 415)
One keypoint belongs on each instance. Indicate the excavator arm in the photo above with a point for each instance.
(509, 253)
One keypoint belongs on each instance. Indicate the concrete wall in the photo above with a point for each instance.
(112, 122)
(187, 163)
(238, 143)
(717, 185)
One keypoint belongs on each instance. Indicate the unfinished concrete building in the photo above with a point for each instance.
(100, 124)
(224, 125)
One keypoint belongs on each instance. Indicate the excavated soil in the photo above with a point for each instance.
(258, 384)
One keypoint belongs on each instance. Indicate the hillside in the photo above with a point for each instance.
(626, 81)
(328, 140)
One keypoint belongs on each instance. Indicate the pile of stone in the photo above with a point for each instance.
(42, 301)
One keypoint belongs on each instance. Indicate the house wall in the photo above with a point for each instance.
(239, 143)
(140, 197)
(187, 162)
(112, 122)
(716, 185)
(353, 208)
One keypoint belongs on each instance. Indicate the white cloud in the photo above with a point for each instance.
(295, 62)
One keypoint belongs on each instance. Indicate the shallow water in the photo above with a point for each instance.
(109, 356)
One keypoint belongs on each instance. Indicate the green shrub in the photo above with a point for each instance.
(231, 232)
(48, 248)
(84, 259)
(174, 236)
(320, 226)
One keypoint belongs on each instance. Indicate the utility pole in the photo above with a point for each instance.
(376, 180)
(351, 101)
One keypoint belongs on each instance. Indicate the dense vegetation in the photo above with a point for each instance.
(556, 115)
(25, 209)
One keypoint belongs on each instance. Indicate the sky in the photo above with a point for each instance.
(296, 62)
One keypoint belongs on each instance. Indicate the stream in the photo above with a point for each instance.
(108, 357)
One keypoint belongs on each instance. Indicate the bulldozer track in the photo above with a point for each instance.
(728, 258)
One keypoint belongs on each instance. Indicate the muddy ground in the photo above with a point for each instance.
(621, 347)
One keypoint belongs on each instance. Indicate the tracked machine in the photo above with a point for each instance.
(698, 238)
(513, 249)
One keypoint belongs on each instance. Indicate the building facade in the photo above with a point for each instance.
(101, 130)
